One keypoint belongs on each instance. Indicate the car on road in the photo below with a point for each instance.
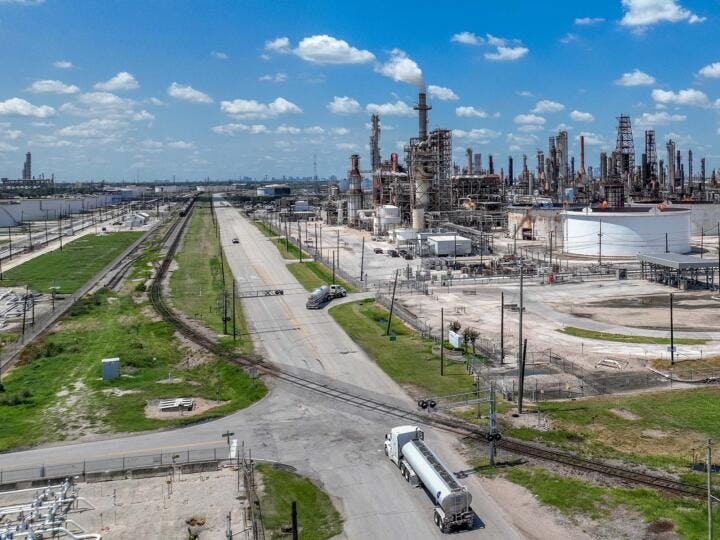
(235, 241)
(378, 250)
(392, 253)
(408, 257)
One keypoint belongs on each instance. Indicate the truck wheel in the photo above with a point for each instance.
(386, 451)
(437, 521)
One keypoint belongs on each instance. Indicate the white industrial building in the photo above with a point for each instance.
(444, 245)
(626, 232)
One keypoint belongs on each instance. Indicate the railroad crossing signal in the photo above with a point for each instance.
(227, 435)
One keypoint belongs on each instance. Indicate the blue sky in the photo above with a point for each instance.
(111, 90)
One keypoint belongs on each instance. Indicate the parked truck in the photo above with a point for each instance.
(324, 294)
(405, 446)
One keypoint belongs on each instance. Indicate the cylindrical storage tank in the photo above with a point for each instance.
(418, 219)
(444, 488)
(625, 232)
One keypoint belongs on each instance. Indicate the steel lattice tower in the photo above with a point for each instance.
(625, 146)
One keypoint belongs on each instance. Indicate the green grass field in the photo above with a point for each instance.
(574, 497)
(318, 519)
(624, 338)
(72, 267)
(267, 231)
(409, 360)
(312, 275)
(197, 284)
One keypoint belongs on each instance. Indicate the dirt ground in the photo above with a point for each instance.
(200, 406)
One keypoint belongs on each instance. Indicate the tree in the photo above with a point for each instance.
(472, 336)
(454, 326)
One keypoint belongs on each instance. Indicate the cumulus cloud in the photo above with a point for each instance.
(343, 105)
(340, 131)
(12, 134)
(314, 130)
(569, 38)
(521, 140)
(250, 108)
(529, 119)
(661, 118)
(592, 139)
(479, 135)
(181, 145)
(470, 112)
(52, 87)
(587, 21)
(467, 38)
(635, 78)
(643, 13)
(401, 68)
(95, 128)
(580, 116)
(288, 130)
(505, 49)
(689, 96)
(346, 146)
(121, 81)
(399, 108)
(279, 45)
(547, 106)
(219, 55)
(187, 93)
(711, 71)
(277, 78)
(234, 129)
(63, 64)
(324, 49)
(442, 93)
(7, 147)
(20, 107)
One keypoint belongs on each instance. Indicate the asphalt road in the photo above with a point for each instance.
(336, 444)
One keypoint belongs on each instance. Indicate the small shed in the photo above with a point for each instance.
(110, 368)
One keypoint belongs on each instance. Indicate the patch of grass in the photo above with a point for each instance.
(72, 267)
(287, 250)
(625, 338)
(573, 496)
(312, 275)
(317, 517)
(197, 284)
(267, 231)
(409, 359)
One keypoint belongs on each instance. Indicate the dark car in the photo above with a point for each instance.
(408, 257)
(378, 250)
(393, 253)
(235, 241)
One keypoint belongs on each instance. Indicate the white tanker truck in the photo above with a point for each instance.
(405, 447)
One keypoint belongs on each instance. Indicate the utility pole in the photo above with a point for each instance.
(316, 239)
(10, 235)
(362, 257)
(24, 313)
(333, 266)
(702, 240)
(600, 245)
(293, 519)
(672, 333)
(60, 231)
(234, 295)
(515, 240)
(338, 248)
(493, 424)
(666, 243)
(442, 342)
(551, 248)
(225, 317)
(521, 379)
(502, 327)
(520, 318)
(708, 467)
(392, 304)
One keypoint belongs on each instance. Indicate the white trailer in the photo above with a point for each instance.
(324, 294)
(405, 446)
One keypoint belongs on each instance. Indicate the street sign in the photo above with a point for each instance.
(227, 435)
(672, 348)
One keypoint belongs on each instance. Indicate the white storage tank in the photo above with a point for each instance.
(443, 245)
(625, 232)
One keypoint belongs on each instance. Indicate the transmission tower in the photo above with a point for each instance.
(625, 147)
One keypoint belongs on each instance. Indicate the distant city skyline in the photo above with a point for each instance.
(113, 91)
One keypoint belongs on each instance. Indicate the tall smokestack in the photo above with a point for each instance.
(510, 169)
(422, 108)
(354, 165)
(491, 168)
(394, 162)
(582, 155)
(375, 142)
(469, 154)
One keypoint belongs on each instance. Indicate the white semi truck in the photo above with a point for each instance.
(324, 294)
(405, 446)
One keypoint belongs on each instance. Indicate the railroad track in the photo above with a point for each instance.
(453, 425)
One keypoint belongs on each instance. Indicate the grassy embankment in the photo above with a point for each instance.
(56, 391)
(70, 268)
(318, 519)
(409, 360)
(197, 283)
(286, 249)
(312, 275)
(625, 338)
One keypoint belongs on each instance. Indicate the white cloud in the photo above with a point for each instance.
(314, 130)
(569, 38)
(324, 49)
(219, 55)
(399, 108)
(53, 87)
(711, 71)
(442, 93)
(661, 118)
(63, 64)
(641, 13)
(529, 119)
(7, 147)
(181, 145)
(635, 78)
(250, 108)
(23, 2)
(521, 140)
(343, 105)
(95, 128)
(470, 112)
(530, 128)
(525, 93)
(187, 93)
(49, 141)
(592, 139)
(479, 135)
(233, 129)
(401, 68)
(340, 131)
(277, 77)
(586, 21)
(505, 50)
(467, 38)
(689, 96)
(121, 81)
(279, 45)
(12, 134)
(580, 116)
(20, 107)
(547, 106)
(288, 130)
(155, 101)
(346, 146)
